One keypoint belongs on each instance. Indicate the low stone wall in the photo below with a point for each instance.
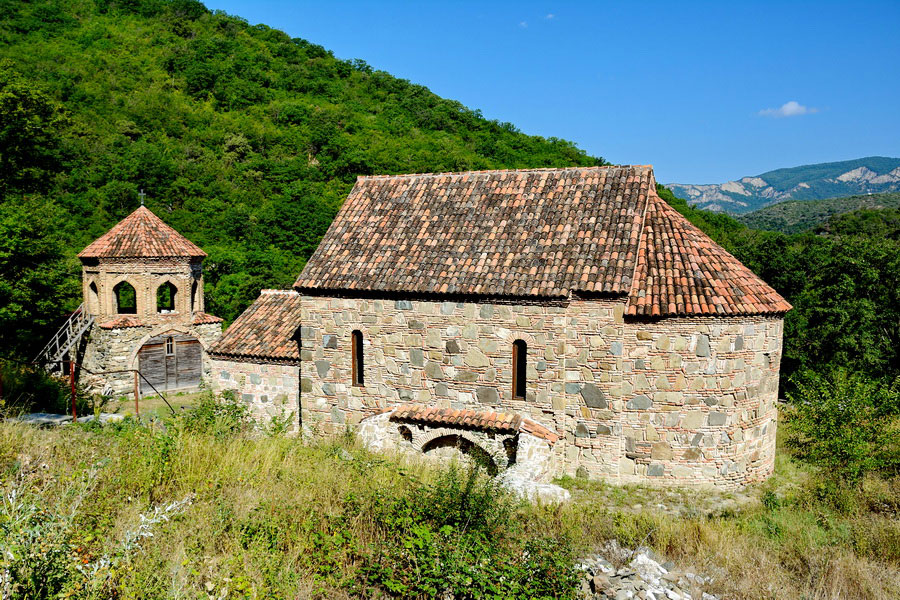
(269, 390)
(677, 400)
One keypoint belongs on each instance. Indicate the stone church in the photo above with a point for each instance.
(143, 303)
(548, 320)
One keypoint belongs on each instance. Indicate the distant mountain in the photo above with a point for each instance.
(874, 174)
(795, 216)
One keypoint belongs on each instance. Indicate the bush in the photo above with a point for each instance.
(27, 388)
(845, 424)
(456, 538)
(220, 416)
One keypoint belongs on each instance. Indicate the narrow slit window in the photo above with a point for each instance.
(520, 363)
(170, 346)
(357, 358)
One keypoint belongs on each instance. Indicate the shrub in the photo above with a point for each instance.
(845, 424)
(456, 538)
(220, 416)
(27, 388)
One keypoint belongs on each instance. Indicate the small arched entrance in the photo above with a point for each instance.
(171, 361)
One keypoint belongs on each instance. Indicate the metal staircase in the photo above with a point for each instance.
(78, 323)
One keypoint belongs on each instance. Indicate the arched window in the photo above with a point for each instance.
(195, 304)
(356, 350)
(93, 299)
(520, 364)
(165, 297)
(126, 298)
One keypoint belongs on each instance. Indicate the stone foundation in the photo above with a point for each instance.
(116, 350)
(676, 400)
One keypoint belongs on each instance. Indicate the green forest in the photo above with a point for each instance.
(247, 140)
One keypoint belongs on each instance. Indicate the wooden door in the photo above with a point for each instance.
(170, 362)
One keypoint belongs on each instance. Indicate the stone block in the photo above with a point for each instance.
(306, 386)
(433, 370)
(639, 403)
(702, 349)
(661, 451)
(487, 395)
(322, 368)
(693, 420)
(593, 396)
(615, 348)
(486, 311)
(582, 431)
(403, 305)
(452, 347)
(255, 379)
(656, 470)
(644, 335)
(329, 341)
(476, 358)
(417, 357)
(716, 418)
(604, 429)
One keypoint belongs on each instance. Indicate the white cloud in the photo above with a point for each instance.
(788, 109)
(523, 24)
(550, 16)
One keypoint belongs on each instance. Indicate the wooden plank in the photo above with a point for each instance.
(151, 363)
(189, 363)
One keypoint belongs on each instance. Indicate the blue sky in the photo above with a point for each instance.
(704, 91)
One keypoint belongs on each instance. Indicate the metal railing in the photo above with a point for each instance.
(66, 337)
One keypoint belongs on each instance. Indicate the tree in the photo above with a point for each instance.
(30, 133)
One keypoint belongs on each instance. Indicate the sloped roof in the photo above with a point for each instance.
(142, 235)
(539, 232)
(680, 271)
(123, 322)
(265, 330)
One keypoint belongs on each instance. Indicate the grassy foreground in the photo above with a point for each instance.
(201, 507)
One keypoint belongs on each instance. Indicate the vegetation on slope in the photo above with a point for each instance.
(244, 139)
(796, 216)
(199, 506)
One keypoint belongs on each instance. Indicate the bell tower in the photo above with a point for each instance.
(142, 283)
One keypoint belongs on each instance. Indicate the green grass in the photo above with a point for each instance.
(274, 517)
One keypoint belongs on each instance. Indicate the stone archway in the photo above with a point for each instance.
(459, 447)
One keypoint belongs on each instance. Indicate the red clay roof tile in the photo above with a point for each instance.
(265, 330)
(142, 235)
(538, 232)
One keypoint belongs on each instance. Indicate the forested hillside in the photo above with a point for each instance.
(244, 139)
(247, 141)
(794, 216)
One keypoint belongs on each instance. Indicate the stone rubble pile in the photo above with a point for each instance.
(641, 577)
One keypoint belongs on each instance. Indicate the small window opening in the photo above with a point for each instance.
(170, 346)
(165, 298)
(357, 351)
(520, 363)
(126, 298)
(194, 303)
(93, 298)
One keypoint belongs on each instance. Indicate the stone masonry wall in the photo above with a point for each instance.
(116, 350)
(686, 400)
(269, 390)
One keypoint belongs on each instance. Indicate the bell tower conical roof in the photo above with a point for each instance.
(142, 235)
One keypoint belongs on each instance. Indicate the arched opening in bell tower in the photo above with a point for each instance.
(125, 298)
(165, 298)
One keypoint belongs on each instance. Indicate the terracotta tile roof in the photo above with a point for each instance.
(202, 318)
(539, 232)
(122, 322)
(265, 330)
(142, 235)
(472, 419)
(680, 271)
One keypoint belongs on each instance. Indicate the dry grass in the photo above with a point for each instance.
(269, 512)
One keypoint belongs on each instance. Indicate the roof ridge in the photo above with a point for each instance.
(485, 171)
(271, 291)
